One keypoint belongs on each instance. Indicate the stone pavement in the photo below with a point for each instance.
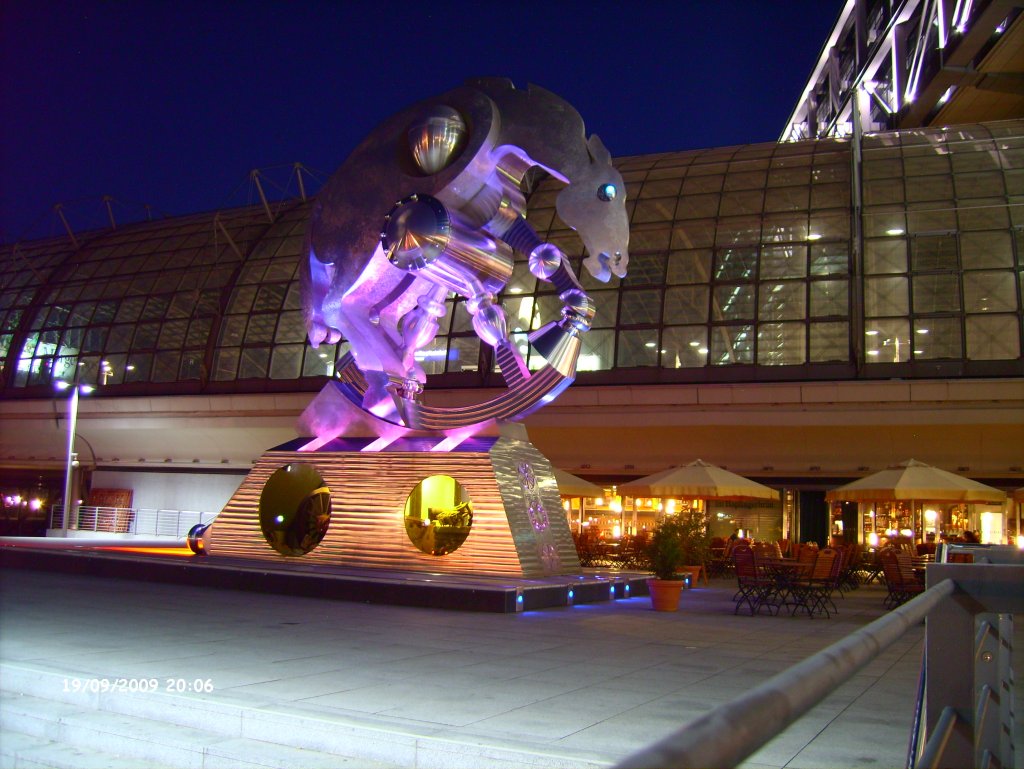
(309, 682)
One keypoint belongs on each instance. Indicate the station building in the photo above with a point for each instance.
(802, 312)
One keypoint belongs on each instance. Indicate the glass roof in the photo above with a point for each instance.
(752, 262)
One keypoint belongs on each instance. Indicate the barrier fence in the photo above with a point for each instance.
(130, 520)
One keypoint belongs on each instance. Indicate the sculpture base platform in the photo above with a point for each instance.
(367, 509)
(478, 593)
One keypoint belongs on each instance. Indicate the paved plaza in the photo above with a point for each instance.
(297, 682)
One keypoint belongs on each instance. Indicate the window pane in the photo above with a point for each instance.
(929, 188)
(735, 263)
(733, 302)
(699, 233)
(783, 261)
(732, 344)
(432, 358)
(138, 368)
(936, 338)
(165, 366)
(782, 301)
(253, 363)
(604, 302)
(640, 307)
(290, 328)
(741, 202)
(596, 353)
(986, 249)
(829, 297)
(522, 280)
(979, 184)
(984, 214)
(686, 304)
(286, 362)
(644, 269)
(781, 344)
(698, 206)
(885, 256)
(830, 258)
(933, 252)
(936, 293)
(145, 336)
(637, 348)
(689, 266)
(879, 222)
(464, 354)
(830, 195)
(260, 329)
(684, 347)
(786, 228)
(885, 296)
(931, 216)
(887, 341)
(993, 337)
(738, 230)
(990, 291)
(879, 192)
(320, 362)
(191, 366)
(787, 199)
(829, 342)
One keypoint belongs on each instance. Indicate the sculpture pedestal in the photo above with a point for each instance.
(517, 527)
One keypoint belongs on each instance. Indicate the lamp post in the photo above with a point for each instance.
(70, 465)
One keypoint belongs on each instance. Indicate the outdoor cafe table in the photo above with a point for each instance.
(783, 574)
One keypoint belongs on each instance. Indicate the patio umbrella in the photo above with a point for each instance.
(915, 481)
(698, 480)
(570, 485)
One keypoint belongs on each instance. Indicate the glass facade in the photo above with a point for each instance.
(766, 261)
(943, 219)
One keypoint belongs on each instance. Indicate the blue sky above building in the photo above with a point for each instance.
(171, 105)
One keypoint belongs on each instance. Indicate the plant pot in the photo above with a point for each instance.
(665, 593)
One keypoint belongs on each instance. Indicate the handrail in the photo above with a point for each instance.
(733, 731)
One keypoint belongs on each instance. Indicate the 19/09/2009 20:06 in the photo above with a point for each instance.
(172, 685)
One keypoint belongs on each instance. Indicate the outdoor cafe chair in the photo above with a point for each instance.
(754, 588)
(832, 584)
(901, 582)
(813, 591)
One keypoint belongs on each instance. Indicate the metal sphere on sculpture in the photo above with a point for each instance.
(435, 140)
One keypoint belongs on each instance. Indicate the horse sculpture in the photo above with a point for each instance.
(432, 202)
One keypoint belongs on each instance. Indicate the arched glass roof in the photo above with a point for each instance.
(817, 259)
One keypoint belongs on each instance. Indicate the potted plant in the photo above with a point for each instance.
(676, 542)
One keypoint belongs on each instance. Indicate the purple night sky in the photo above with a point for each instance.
(171, 104)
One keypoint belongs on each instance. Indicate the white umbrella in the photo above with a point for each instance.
(698, 480)
(570, 485)
(916, 481)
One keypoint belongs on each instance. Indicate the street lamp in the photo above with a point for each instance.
(75, 388)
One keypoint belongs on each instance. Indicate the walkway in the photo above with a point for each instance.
(401, 687)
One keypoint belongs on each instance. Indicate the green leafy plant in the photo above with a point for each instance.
(678, 540)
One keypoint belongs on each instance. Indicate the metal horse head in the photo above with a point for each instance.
(594, 205)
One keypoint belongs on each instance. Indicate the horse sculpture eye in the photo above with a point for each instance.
(607, 192)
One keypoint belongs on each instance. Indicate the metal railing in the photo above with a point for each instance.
(966, 720)
(131, 520)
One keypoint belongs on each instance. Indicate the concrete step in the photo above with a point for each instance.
(216, 729)
(23, 751)
(71, 735)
